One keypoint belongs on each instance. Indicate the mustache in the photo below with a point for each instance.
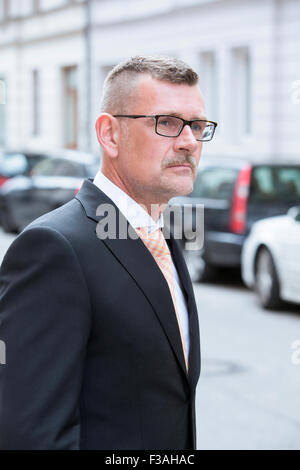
(180, 160)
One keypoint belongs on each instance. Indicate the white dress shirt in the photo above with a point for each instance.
(139, 217)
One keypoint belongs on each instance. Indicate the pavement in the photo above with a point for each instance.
(248, 396)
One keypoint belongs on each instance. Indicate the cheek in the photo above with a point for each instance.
(146, 155)
(151, 155)
(140, 162)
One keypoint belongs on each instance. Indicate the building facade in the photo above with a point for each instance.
(246, 52)
(43, 68)
(55, 58)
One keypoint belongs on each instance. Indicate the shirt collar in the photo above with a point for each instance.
(134, 213)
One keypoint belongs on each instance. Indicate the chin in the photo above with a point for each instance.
(186, 186)
(183, 189)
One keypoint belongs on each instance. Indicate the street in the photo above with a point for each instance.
(249, 390)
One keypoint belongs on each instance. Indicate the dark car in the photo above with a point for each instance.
(18, 162)
(235, 193)
(51, 183)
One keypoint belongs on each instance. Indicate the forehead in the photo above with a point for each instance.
(158, 97)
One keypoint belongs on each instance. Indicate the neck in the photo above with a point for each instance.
(154, 209)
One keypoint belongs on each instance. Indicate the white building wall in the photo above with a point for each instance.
(8, 67)
(49, 59)
(193, 30)
(286, 136)
(269, 28)
(45, 42)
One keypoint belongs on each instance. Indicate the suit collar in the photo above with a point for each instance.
(140, 264)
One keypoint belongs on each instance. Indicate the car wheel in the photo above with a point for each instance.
(266, 281)
(199, 269)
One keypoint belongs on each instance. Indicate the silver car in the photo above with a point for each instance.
(271, 259)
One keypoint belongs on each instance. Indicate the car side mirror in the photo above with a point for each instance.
(294, 213)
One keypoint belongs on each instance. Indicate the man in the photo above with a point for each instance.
(101, 334)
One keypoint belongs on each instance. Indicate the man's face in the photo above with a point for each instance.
(154, 168)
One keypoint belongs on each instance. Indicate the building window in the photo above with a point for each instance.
(241, 93)
(70, 107)
(14, 8)
(26, 8)
(208, 80)
(36, 128)
(4, 9)
(36, 6)
(2, 14)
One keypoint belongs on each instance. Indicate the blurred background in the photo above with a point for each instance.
(54, 56)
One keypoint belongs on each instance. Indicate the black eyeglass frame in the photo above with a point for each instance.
(184, 123)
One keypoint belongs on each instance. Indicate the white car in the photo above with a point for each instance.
(271, 259)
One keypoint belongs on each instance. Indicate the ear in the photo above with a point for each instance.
(108, 133)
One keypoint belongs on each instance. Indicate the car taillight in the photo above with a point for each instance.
(238, 216)
(2, 180)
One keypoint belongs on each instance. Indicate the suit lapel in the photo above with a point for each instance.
(140, 264)
(194, 354)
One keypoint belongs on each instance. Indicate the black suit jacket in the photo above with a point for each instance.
(93, 351)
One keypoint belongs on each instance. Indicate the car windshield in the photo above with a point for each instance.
(274, 183)
(64, 167)
(215, 183)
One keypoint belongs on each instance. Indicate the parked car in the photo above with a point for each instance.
(271, 259)
(51, 183)
(13, 163)
(235, 193)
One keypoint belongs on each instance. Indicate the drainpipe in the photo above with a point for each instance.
(88, 72)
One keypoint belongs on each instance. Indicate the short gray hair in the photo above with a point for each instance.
(119, 84)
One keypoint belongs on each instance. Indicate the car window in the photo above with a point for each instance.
(33, 160)
(58, 167)
(269, 184)
(67, 168)
(215, 183)
(44, 168)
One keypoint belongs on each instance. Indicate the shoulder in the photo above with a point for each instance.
(46, 238)
(41, 259)
(67, 216)
(63, 237)
(66, 225)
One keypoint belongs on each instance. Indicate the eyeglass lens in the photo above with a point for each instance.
(171, 126)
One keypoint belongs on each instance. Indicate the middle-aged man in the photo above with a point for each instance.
(101, 333)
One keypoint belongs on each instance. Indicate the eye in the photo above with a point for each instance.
(169, 122)
(198, 126)
(164, 122)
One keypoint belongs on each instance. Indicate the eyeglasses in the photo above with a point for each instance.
(171, 126)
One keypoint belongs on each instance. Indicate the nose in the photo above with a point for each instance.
(186, 140)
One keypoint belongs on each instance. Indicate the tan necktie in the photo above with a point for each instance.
(157, 245)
